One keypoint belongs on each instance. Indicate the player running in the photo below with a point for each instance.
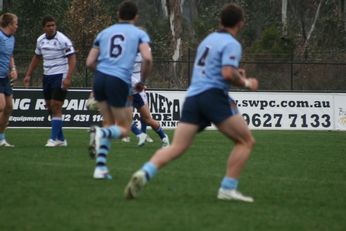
(216, 67)
(112, 58)
(140, 102)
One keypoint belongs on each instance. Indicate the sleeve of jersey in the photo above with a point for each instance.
(69, 49)
(96, 43)
(231, 55)
(38, 49)
(144, 37)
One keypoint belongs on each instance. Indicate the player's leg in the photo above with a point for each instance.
(191, 120)
(144, 130)
(104, 135)
(55, 96)
(103, 145)
(148, 119)
(182, 139)
(236, 129)
(141, 136)
(138, 103)
(6, 108)
(112, 94)
(47, 82)
(129, 107)
(57, 120)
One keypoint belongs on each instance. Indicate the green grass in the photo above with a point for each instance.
(296, 177)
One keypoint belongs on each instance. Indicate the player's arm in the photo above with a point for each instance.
(72, 60)
(34, 62)
(91, 60)
(13, 70)
(238, 78)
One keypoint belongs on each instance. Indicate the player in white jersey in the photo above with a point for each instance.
(59, 60)
(8, 26)
(112, 58)
(140, 102)
(216, 67)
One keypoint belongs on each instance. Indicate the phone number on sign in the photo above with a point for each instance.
(290, 120)
(82, 118)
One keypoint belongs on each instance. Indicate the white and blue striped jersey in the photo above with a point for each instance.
(118, 46)
(217, 50)
(6, 51)
(54, 53)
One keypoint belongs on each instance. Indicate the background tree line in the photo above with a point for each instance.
(288, 44)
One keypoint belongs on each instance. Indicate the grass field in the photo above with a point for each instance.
(298, 180)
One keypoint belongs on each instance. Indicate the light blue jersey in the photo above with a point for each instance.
(6, 51)
(118, 46)
(217, 50)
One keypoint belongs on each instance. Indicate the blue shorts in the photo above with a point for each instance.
(139, 99)
(5, 86)
(212, 106)
(111, 89)
(52, 87)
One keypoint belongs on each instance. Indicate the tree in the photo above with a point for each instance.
(312, 28)
(84, 19)
(284, 18)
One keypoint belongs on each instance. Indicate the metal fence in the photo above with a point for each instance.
(273, 75)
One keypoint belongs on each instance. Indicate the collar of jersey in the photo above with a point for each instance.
(49, 38)
(7, 35)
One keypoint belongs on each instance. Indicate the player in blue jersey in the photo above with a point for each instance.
(59, 60)
(8, 26)
(112, 58)
(216, 67)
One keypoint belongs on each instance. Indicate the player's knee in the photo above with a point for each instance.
(250, 142)
(146, 119)
(7, 110)
(56, 108)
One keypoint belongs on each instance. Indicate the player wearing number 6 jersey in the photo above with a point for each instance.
(112, 58)
(216, 67)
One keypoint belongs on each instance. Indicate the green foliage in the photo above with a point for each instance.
(272, 43)
(30, 14)
(333, 27)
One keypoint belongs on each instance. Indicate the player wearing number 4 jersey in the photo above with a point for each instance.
(112, 58)
(216, 67)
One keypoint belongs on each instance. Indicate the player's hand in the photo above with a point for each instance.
(66, 83)
(139, 86)
(252, 84)
(26, 81)
(14, 75)
(242, 72)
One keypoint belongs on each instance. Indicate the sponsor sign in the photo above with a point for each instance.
(296, 111)
(29, 109)
(261, 110)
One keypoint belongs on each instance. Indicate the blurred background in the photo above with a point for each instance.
(295, 45)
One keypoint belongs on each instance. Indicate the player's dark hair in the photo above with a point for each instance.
(127, 10)
(6, 19)
(46, 19)
(231, 14)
